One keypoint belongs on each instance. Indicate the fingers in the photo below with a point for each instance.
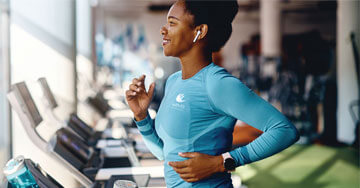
(186, 176)
(188, 154)
(139, 81)
(151, 90)
(130, 94)
(138, 86)
(142, 77)
(135, 88)
(191, 180)
(181, 170)
(178, 164)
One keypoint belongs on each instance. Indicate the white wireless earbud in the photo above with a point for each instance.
(197, 35)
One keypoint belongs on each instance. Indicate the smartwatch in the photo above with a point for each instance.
(229, 162)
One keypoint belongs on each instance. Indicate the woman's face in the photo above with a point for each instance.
(178, 32)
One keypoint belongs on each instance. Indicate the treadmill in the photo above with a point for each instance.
(98, 139)
(93, 138)
(83, 162)
(86, 132)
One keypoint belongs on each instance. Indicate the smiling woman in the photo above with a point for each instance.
(193, 128)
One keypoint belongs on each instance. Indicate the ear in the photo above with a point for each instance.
(203, 28)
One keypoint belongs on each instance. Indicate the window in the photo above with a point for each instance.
(4, 86)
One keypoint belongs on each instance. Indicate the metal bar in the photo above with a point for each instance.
(74, 56)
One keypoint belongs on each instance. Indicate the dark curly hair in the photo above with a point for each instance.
(218, 15)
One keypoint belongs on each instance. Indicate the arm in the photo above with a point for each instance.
(139, 100)
(236, 100)
(146, 126)
(151, 139)
(228, 96)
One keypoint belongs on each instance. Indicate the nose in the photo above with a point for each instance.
(163, 30)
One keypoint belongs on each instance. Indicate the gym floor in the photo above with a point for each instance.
(310, 166)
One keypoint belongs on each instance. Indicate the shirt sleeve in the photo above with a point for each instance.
(150, 137)
(229, 96)
(147, 128)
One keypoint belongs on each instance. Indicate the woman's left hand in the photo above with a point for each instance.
(198, 166)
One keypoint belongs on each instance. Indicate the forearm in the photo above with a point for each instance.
(269, 143)
(150, 137)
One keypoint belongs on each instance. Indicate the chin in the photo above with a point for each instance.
(167, 53)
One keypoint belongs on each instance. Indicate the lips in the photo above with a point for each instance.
(165, 41)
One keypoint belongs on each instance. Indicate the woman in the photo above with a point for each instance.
(193, 128)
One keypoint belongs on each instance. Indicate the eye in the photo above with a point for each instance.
(171, 23)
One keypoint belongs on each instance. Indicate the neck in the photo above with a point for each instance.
(193, 62)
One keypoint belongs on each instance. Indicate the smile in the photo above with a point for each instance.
(165, 42)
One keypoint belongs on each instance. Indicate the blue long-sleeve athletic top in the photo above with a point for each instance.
(198, 115)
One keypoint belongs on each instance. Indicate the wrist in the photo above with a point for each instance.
(229, 163)
(140, 117)
(220, 164)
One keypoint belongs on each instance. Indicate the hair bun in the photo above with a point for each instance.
(218, 15)
(227, 9)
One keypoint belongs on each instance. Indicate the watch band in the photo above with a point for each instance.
(226, 155)
(226, 160)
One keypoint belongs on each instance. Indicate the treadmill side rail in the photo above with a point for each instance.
(153, 171)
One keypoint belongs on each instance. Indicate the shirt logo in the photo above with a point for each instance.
(180, 98)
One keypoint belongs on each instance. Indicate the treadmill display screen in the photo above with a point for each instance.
(30, 106)
(73, 144)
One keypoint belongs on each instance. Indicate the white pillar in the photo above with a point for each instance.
(84, 38)
(347, 21)
(85, 64)
(270, 26)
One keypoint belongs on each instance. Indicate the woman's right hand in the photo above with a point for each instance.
(138, 99)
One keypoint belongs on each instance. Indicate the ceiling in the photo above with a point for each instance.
(139, 6)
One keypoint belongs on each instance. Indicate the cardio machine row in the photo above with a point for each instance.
(79, 147)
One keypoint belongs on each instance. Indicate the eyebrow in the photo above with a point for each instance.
(173, 17)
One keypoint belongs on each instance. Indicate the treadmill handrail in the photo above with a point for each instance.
(83, 180)
(30, 131)
(153, 171)
(41, 143)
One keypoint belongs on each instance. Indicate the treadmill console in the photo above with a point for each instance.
(70, 147)
(25, 105)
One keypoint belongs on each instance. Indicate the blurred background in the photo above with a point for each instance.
(300, 55)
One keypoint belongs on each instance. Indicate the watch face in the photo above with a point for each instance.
(229, 164)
